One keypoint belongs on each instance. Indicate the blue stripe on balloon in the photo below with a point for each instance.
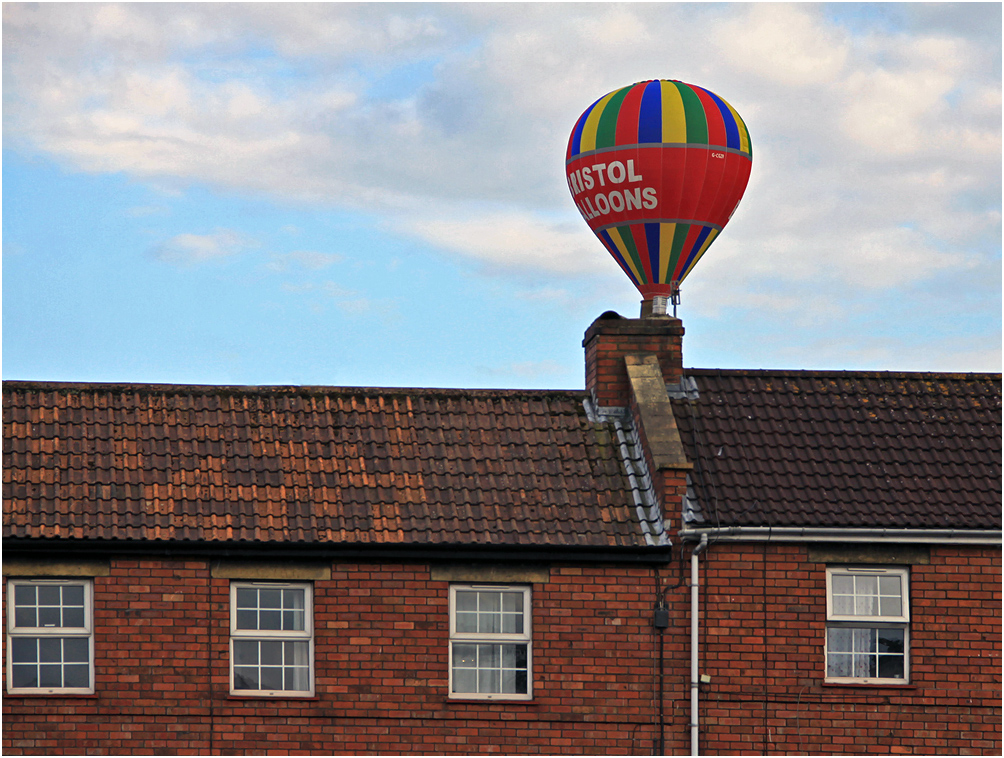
(611, 247)
(696, 248)
(652, 232)
(731, 128)
(650, 113)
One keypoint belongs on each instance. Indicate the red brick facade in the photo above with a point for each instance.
(763, 616)
(382, 630)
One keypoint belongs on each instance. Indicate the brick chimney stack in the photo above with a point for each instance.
(611, 337)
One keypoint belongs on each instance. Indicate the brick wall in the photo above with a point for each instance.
(162, 676)
(762, 638)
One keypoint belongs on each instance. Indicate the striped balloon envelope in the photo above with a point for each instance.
(657, 169)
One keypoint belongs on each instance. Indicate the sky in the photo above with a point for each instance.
(373, 194)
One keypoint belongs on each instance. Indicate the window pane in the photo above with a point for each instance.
(891, 641)
(270, 598)
(488, 680)
(24, 594)
(843, 605)
(512, 602)
(890, 600)
(514, 656)
(890, 585)
(465, 656)
(247, 619)
(245, 652)
(467, 622)
(839, 640)
(866, 605)
(296, 653)
(297, 679)
(50, 649)
(489, 623)
(271, 653)
(49, 594)
(25, 617)
(293, 599)
(864, 640)
(488, 656)
(245, 678)
(76, 650)
(50, 675)
(843, 584)
(890, 666)
(76, 675)
(24, 650)
(269, 619)
(864, 665)
(292, 621)
(838, 664)
(467, 601)
(490, 602)
(49, 616)
(508, 684)
(73, 594)
(247, 597)
(512, 623)
(465, 680)
(271, 677)
(24, 676)
(73, 617)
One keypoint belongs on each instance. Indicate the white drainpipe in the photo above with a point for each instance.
(695, 576)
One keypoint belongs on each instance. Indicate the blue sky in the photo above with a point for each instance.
(373, 194)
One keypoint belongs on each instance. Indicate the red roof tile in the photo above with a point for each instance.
(304, 465)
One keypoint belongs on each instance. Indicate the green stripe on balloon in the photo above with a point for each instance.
(606, 130)
(679, 237)
(628, 239)
(693, 109)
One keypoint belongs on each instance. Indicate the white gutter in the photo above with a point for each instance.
(836, 534)
(694, 628)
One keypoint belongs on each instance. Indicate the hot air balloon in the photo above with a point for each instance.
(657, 169)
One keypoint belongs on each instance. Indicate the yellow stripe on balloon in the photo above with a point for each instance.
(588, 140)
(704, 247)
(615, 235)
(744, 135)
(674, 120)
(666, 234)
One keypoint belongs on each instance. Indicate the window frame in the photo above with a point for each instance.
(304, 635)
(875, 622)
(41, 632)
(523, 638)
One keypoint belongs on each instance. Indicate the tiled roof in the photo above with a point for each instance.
(844, 449)
(302, 465)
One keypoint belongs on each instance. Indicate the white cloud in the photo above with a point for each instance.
(877, 146)
(516, 241)
(787, 44)
(193, 249)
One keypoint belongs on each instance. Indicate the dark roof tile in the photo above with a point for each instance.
(845, 449)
